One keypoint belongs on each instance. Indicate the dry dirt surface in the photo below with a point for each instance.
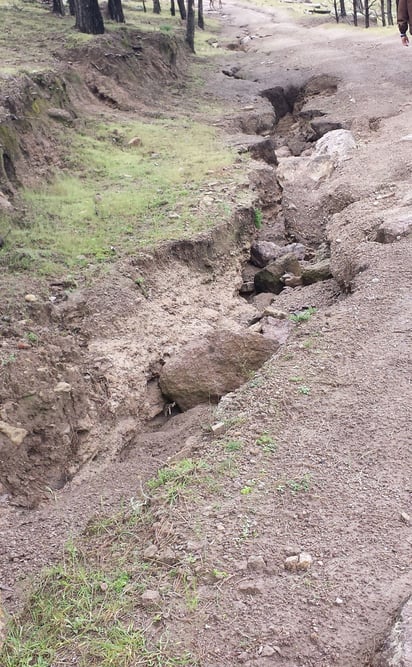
(321, 466)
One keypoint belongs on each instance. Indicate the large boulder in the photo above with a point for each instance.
(270, 279)
(204, 370)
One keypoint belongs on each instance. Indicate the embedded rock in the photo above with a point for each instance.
(263, 252)
(397, 648)
(205, 370)
(314, 273)
(270, 279)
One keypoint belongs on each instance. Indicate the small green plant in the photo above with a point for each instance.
(233, 446)
(246, 490)
(9, 359)
(303, 315)
(32, 338)
(220, 574)
(267, 443)
(258, 218)
(176, 479)
(294, 485)
(303, 389)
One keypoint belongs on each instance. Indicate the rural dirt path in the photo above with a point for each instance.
(338, 479)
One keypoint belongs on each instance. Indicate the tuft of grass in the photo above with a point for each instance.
(267, 443)
(233, 446)
(177, 478)
(303, 389)
(258, 218)
(303, 316)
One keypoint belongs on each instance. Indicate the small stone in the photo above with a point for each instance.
(405, 517)
(267, 651)
(150, 551)
(291, 563)
(273, 312)
(150, 598)
(30, 298)
(256, 563)
(60, 114)
(299, 563)
(173, 216)
(13, 433)
(338, 601)
(305, 561)
(167, 556)
(219, 428)
(251, 587)
(135, 141)
(63, 388)
(103, 586)
(23, 346)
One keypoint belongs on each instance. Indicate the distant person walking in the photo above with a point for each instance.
(404, 18)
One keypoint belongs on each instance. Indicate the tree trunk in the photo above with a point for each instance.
(383, 17)
(72, 8)
(355, 13)
(367, 22)
(58, 7)
(116, 11)
(389, 12)
(172, 8)
(335, 6)
(89, 17)
(182, 9)
(200, 20)
(190, 25)
(342, 8)
(156, 7)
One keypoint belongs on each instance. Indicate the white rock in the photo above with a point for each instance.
(63, 388)
(13, 433)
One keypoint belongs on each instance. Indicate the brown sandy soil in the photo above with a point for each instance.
(334, 403)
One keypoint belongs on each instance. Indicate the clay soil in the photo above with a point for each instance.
(323, 452)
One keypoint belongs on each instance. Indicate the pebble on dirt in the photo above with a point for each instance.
(30, 298)
(299, 563)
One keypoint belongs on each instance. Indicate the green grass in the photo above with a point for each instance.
(114, 199)
(83, 614)
(303, 316)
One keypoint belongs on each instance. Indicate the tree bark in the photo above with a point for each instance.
(89, 17)
(389, 12)
(116, 11)
(172, 8)
(190, 25)
(72, 8)
(58, 7)
(200, 19)
(367, 22)
(342, 8)
(383, 17)
(335, 6)
(355, 13)
(156, 7)
(182, 9)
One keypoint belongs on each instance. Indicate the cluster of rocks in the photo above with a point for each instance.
(283, 266)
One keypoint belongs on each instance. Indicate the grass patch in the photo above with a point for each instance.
(84, 615)
(114, 198)
(176, 479)
(303, 316)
